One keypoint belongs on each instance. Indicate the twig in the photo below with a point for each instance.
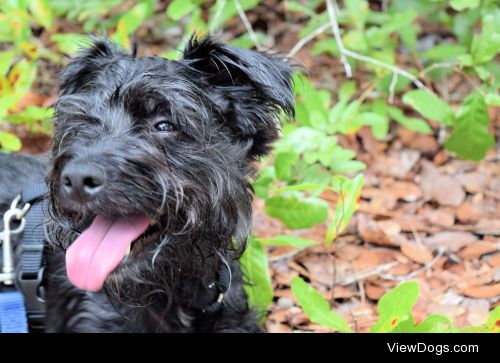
(247, 24)
(298, 46)
(346, 52)
(413, 274)
(362, 293)
(216, 16)
(286, 255)
(392, 87)
(367, 273)
(436, 66)
(338, 37)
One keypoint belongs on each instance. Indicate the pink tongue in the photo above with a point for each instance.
(100, 248)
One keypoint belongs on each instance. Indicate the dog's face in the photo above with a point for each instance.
(148, 151)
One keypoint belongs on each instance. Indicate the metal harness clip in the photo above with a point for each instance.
(7, 275)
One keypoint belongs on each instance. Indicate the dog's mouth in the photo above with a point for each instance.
(94, 255)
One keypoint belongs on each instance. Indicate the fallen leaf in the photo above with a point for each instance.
(411, 223)
(477, 249)
(494, 261)
(342, 292)
(370, 258)
(474, 182)
(273, 327)
(280, 315)
(374, 292)
(442, 217)
(477, 311)
(397, 164)
(401, 270)
(482, 292)
(384, 233)
(441, 188)
(452, 241)
(407, 191)
(417, 252)
(476, 278)
(488, 226)
(468, 213)
(425, 143)
(348, 252)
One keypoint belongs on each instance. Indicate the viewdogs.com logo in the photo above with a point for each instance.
(437, 349)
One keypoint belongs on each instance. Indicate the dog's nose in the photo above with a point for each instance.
(81, 181)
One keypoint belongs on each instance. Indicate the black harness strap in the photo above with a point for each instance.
(29, 271)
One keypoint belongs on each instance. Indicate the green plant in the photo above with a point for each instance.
(373, 40)
(394, 310)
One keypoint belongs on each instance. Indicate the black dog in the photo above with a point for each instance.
(150, 195)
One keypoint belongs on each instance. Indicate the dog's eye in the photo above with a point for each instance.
(165, 126)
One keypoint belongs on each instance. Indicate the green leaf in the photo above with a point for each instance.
(21, 78)
(460, 5)
(245, 41)
(9, 142)
(6, 59)
(256, 271)
(493, 324)
(179, 8)
(296, 7)
(348, 203)
(395, 307)
(42, 13)
(357, 11)
(291, 241)
(492, 99)
(487, 44)
(37, 118)
(69, 43)
(378, 123)
(442, 52)
(470, 138)
(264, 181)
(301, 187)
(429, 105)
(347, 167)
(347, 90)
(412, 123)
(434, 323)
(408, 36)
(129, 22)
(295, 213)
(284, 163)
(316, 307)
(326, 46)
(463, 24)
(220, 14)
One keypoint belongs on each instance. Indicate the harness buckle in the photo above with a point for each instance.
(7, 274)
(34, 297)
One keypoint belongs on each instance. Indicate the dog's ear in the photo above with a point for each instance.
(249, 88)
(79, 72)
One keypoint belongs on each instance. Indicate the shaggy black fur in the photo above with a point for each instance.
(174, 140)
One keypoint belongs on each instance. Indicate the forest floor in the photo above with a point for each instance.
(424, 215)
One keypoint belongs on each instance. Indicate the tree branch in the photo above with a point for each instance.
(298, 46)
(346, 52)
(338, 37)
(247, 24)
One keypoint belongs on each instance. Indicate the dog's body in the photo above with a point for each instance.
(153, 157)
